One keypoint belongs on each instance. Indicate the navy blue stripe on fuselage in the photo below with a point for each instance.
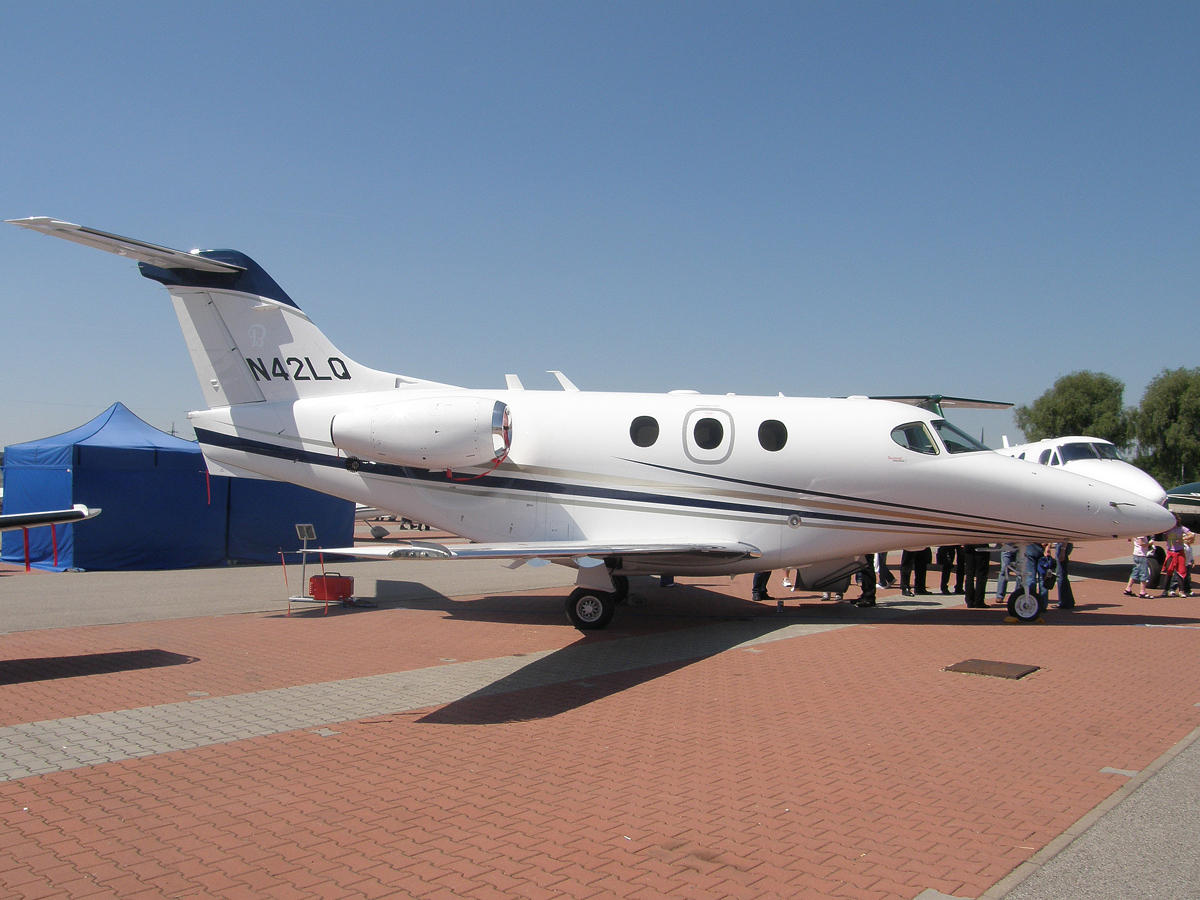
(531, 485)
(823, 495)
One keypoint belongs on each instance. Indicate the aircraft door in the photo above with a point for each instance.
(708, 435)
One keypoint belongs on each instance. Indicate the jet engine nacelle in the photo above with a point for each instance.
(427, 433)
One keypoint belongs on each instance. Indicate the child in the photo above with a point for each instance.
(1175, 565)
(1141, 566)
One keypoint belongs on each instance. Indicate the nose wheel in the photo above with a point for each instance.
(1025, 606)
(590, 610)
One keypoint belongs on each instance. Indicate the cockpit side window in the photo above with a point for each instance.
(957, 440)
(1044, 458)
(915, 437)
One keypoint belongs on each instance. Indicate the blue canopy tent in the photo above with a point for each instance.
(161, 510)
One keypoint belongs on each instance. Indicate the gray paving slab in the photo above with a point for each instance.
(60, 744)
(1144, 844)
(71, 599)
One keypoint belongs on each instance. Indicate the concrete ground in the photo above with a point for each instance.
(179, 735)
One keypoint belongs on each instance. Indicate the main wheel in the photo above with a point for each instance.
(1024, 606)
(590, 610)
(621, 584)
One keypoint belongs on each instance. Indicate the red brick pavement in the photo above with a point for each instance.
(845, 764)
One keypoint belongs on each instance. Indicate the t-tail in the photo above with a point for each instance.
(248, 339)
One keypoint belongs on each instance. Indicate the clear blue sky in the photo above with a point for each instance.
(819, 199)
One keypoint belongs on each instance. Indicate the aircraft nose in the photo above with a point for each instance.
(1082, 505)
(1133, 515)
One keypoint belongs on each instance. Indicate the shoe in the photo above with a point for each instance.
(945, 590)
(1144, 596)
(761, 598)
(923, 592)
(862, 602)
(1129, 593)
(907, 592)
(958, 590)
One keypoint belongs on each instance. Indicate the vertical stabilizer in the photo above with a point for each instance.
(248, 340)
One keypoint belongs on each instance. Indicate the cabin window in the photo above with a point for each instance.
(957, 440)
(708, 434)
(772, 435)
(915, 437)
(644, 431)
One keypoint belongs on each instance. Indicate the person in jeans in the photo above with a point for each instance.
(1142, 547)
(1008, 556)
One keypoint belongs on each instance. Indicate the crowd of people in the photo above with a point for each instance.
(1037, 568)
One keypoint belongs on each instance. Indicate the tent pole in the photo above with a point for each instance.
(25, 535)
(54, 542)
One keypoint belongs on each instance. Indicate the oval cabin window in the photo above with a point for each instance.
(708, 433)
(644, 431)
(772, 434)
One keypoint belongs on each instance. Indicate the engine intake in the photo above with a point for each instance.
(429, 433)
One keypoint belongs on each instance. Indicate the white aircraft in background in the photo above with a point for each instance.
(1091, 457)
(611, 484)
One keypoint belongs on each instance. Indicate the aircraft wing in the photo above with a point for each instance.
(583, 552)
(77, 513)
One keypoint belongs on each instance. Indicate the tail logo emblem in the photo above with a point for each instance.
(258, 334)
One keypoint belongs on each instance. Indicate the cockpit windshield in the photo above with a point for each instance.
(1077, 451)
(1107, 451)
(957, 440)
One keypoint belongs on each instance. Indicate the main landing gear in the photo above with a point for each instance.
(591, 610)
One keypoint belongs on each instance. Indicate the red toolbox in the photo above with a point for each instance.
(331, 587)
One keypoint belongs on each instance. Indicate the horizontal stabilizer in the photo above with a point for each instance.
(162, 257)
(936, 402)
(723, 551)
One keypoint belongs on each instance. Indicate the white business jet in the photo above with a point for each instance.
(1091, 457)
(609, 484)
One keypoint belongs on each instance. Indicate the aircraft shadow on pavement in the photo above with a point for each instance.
(597, 666)
(685, 602)
(51, 668)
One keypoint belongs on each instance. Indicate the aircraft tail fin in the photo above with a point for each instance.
(248, 340)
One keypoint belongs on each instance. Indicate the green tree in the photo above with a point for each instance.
(1168, 427)
(1080, 403)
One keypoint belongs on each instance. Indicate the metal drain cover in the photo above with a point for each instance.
(992, 668)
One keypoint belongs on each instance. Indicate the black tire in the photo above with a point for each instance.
(621, 585)
(1026, 607)
(590, 610)
(1156, 563)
